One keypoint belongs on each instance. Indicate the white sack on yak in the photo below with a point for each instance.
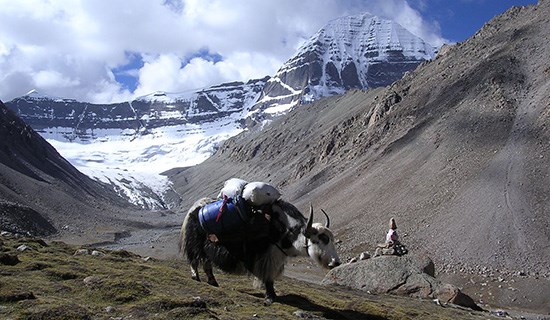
(260, 193)
(232, 188)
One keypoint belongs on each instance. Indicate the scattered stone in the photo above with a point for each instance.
(98, 253)
(8, 259)
(304, 315)
(364, 255)
(82, 252)
(500, 313)
(147, 259)
(91, 280)
(110, 309)
(23, 247)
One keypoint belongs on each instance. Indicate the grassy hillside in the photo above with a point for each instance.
(58, 281)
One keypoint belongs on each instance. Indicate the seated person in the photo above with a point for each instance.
(392, 246)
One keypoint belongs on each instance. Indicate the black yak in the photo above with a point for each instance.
(282, 232)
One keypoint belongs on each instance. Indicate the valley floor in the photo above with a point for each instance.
(520, 296)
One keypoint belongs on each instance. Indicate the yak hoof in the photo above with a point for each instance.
(213, 283)
(196, 278)
(268, 301)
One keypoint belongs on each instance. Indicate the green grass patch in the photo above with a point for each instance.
(50, 281)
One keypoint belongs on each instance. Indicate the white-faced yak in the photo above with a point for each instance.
(274, 233)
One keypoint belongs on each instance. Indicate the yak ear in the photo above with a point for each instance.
(309, 230)
(328, 219)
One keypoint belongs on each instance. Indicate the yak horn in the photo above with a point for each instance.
(307, 231)
(328, 219)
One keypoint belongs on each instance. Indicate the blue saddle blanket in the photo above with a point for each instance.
(224, 216)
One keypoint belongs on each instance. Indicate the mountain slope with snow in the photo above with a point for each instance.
(354, 52)
(40, 192)
(129, 144)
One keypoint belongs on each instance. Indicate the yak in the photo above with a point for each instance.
(283, 232)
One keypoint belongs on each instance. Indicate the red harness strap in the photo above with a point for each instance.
(224, 203)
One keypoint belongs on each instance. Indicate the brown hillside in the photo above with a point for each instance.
(41, 193)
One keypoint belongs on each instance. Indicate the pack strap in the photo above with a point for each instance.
(224, 204)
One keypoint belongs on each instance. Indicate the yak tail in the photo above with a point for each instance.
(181, 240)
(192, 211)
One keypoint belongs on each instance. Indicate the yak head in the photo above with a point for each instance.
(320, 242)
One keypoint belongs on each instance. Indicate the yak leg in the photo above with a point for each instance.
(195, 270)
(269, 293)
(207, 266)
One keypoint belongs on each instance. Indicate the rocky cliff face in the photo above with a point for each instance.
(354, 52)
(64, 119)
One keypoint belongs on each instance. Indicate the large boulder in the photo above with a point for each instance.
(409, 275)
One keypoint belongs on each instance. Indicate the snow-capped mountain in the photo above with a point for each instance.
(362, 51)
(70, 120)
(129, 144)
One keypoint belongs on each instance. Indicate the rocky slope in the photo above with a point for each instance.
(456, 151)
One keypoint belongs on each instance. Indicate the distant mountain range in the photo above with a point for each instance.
(160, 131)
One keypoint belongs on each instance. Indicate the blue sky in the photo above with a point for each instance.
(115, 50)
(460, 19)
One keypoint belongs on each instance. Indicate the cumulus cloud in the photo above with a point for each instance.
(73, 48)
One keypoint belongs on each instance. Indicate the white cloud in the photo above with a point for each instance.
(53, 79)
(68, 48)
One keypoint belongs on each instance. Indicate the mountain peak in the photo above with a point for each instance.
(353, 52)
(36, 95)
(372, 36)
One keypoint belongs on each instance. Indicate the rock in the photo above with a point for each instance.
(451, 294)
(364, 255)
(97, 253)
(8, 259)
(110, 309)
(23, 247)
(500, 313)
(80, 252)
(91, 280)
(409, 275)
(304, 315)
